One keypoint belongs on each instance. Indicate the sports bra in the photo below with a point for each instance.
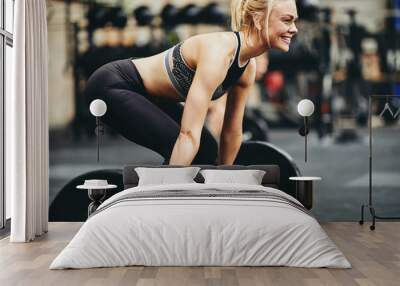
(181, 75)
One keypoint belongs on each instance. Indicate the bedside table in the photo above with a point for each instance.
(97, 190)
(304, 189)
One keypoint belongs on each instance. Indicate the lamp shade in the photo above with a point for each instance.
(305, 107)
(98, 107)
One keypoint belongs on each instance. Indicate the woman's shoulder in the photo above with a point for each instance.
(219, 42)
(215, 37)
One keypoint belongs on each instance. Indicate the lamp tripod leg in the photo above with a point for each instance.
(372, 211)
(361, 222)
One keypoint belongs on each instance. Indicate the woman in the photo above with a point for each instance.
(143, 95)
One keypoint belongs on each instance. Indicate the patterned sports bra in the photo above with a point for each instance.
(181, 75)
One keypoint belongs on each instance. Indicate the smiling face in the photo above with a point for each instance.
(281, 25)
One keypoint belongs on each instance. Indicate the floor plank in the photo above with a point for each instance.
(374, 255)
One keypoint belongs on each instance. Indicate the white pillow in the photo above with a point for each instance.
(248, 177)
(163, 176)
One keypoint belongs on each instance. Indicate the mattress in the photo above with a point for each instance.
(201, 225)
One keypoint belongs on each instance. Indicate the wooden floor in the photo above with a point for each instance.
(374, 255)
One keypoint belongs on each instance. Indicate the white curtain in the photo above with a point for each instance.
(27, 148)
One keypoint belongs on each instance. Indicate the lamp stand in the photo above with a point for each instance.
(99, 132)
(305, 137)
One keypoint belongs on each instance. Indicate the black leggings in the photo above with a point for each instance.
(139, 117)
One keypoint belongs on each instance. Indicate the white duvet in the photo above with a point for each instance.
(219, 231)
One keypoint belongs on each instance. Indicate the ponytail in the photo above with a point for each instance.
(237, 14)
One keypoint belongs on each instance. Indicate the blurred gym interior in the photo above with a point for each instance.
(345, 52)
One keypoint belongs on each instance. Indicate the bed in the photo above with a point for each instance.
(201, 224)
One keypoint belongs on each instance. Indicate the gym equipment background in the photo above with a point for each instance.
(344, 52)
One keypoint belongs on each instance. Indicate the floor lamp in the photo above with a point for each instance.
(98, 108)
(305, 108)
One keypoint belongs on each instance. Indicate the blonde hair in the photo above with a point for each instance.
(243, 11)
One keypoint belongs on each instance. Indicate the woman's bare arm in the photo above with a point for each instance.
(231, 134)
(211, 69)
(215, 116)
